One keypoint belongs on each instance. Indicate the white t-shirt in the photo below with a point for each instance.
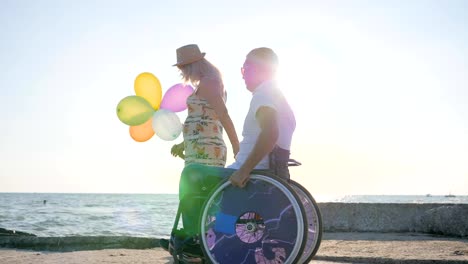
(266, 94)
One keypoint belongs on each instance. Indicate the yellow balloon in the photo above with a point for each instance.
(149, 87)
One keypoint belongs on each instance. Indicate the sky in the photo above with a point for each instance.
(379, 90)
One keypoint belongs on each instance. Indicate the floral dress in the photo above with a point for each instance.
(203, 134)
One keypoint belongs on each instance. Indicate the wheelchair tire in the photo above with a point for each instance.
(260, 223)
(314, 222)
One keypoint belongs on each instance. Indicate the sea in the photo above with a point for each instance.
(134, 215)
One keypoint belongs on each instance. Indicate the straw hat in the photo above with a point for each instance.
(188, 54)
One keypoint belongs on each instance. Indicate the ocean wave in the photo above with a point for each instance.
(98, 218)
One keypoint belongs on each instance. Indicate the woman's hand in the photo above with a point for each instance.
(178, 150)
(235, 150)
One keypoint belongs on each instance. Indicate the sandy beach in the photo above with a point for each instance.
(335, 248)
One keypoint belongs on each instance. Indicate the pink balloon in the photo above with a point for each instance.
(175, 99)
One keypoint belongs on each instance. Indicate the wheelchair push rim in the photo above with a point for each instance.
(314, 222)
(246, 226)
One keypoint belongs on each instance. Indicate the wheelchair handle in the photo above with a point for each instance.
(293, 162)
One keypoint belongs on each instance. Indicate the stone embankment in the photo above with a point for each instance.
(440, 219)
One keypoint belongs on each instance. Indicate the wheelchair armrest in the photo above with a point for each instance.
(293, 162)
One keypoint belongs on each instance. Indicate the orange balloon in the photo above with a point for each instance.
(142, 132)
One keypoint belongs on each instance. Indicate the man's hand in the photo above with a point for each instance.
(239, 178)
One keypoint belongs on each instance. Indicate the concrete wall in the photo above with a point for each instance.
(444, 219)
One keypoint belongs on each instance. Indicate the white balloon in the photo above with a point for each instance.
(166, 124)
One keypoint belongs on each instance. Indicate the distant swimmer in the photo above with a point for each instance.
(45, 201)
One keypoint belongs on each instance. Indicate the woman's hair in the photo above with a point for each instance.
(195, 71)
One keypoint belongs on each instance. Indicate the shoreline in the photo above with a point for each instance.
(448, 219)
(353, 233)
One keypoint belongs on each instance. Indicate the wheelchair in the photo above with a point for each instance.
(270, 220)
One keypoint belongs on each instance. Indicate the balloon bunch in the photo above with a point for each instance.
(147, 114)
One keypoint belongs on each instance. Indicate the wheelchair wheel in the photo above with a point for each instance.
(314, 222)
(263, 222)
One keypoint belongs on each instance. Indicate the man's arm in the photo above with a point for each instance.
(266, 141)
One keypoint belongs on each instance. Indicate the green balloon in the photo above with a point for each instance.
(134, 110)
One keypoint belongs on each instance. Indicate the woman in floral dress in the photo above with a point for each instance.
(207, 112)
(203, 130)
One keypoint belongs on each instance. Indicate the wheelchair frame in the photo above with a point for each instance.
(308, 223)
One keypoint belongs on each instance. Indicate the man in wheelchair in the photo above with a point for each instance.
(267, 135)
